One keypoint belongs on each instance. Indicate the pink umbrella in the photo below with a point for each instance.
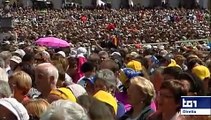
(52, 42)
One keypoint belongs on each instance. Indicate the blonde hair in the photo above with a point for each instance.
(36, 107)
(22, 80)
(145, 86)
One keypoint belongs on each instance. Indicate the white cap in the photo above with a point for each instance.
(77, 90)
(16, 59)
(81, 50)
(115, 53)
(73, 53)
(134, 54)
(61, 53)
(46, 54)
(20, 52)
(15, 107)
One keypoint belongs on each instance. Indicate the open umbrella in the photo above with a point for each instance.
(52, 42)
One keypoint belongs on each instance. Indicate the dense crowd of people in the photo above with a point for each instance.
(105, 73)
(129, 26)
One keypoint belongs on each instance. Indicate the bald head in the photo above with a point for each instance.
(49, 70)
(46, 76)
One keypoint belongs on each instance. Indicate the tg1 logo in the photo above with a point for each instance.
(189, 103)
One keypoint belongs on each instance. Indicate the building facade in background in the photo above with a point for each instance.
(116, 4)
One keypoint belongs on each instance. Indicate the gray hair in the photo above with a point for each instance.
(2, 63)
(103, 53)
(107, 76)
(65, 110)
(3, 75)
(5, 90)
(50, 69)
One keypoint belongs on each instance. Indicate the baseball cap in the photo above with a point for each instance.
(77, 90)
(201, 71)
(16, 59)
(107, 98)
(61, 53)
(135, 65)
(20, 52)
(64, 93)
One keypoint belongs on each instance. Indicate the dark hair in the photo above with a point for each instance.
(196, 85)
(191, 63)
(111, 65)
(176, 87)
(28, 57)
(87, 67)
(173, 71)
(72, 62)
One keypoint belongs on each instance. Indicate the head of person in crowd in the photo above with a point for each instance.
(192, 83)
(14, 61)
(126, 74)
(29, 49)
(29, 69)
(62, 66)
(46, 77)
(157, 78)
(61, 93)
(60, 54)
(180, 60)
(191, 56)
(5, 91)
(103, 55)
(77, 90)
(116, 56)
(20, 84)
(11, 109)
(65, 110)
(171, 72)
(61, 79)
(203, 73)
(72, 66)
(2, 63)
(42, 57)
(88, 85)
(94, 58)
(108, 99)
(166, 61)
(170, 94)
(19, 52)
(6, 56)
(88, 69)
(28, 58)
(35, 108)
(81, 52)
(96, 109)
(140, 93)
(105, 80)
(135, 65)
(111, 65)
(193, 62)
